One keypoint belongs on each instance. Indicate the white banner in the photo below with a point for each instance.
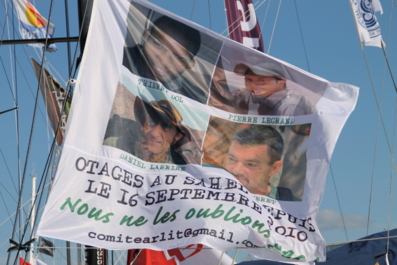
(178, 136)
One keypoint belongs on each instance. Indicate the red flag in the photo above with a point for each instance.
(23, 262)
(148, 257)
(190, 255)
(243, 24)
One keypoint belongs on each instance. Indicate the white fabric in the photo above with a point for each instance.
(107, 198)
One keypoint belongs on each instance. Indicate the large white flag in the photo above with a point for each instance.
(168, 144)
(368, 27)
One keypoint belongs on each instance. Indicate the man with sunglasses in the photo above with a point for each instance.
(152, 137)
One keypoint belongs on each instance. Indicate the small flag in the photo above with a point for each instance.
(368, 27)
(32, 25)
(23, 262)
(46, 247)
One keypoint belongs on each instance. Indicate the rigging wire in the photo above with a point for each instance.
(393, 163)
(373, 169)
(274, 27)
(337, 197)
(209, 11)
(16, 113)
(68, 35)
(301, 32)
(75, 52)
(394, 137)
(388, 66)
(234, 257)
(193, 8)
(30, 140)
(8, 170)
(45, 172)
(391, 187)
(331, 170)
(377, 127)
(379, 111)
(265, 16)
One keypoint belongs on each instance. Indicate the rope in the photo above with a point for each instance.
(394, 137)
(209, 11)
(337, 197)
(274, 26)
(265, 16)
(191, 14)
(391, 186)
(379, 112)
(234, 257)
(22, 182)
(303, 40)
(388, 67)
(377, 127)
(373, 172)
(47, 167)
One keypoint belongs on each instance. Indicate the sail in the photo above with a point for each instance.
(56, 99)
(242, 23)
(155, 154)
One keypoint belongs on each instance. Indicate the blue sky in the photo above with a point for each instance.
(317, 36)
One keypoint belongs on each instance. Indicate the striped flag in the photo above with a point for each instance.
(32, 25)
(368, 27)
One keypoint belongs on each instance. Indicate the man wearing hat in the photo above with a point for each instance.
(152, 136)
(265, 92)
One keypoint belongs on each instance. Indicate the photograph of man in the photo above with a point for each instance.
(266, 92)
(166, 50)
(254, 156)
(152, 137)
